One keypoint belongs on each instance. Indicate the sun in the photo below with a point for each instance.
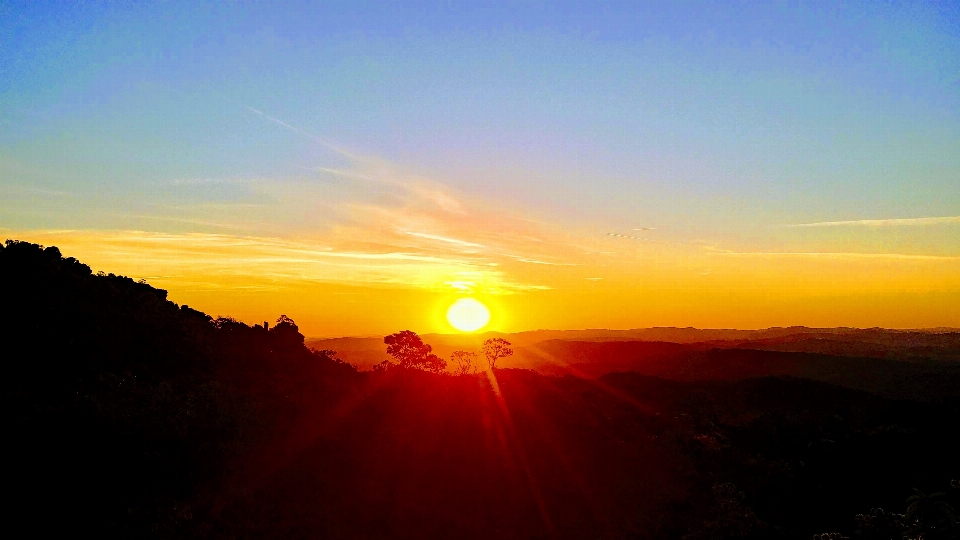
(468, 315)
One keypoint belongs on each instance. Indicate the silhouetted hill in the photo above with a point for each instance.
(128, 416)
(873, 343)
(118, 404)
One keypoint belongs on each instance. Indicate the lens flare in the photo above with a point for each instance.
(468, 315)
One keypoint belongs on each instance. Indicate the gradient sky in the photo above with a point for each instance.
(358, 166)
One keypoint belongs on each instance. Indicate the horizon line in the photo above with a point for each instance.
(928, 329)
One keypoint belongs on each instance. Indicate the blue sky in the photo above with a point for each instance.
(717, 123)
(768, 103)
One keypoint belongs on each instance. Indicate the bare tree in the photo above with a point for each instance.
(465, 361)
(495, 349)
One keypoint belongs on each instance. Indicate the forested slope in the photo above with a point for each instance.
(118, 405)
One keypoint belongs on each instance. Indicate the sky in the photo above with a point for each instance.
(359, 166)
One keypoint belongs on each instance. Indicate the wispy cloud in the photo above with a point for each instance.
(383, 172)
(444, 239)
(315, 138)
(49, 192)
(35, 190)
(618, 235)
(903, 222)
(200, 260)
(534, 261)
(414, 206)
(205, 181)
(537, 261)
(159, 217)
(837, 255)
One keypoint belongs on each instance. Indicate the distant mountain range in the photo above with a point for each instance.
(916, 364)
(935, 343)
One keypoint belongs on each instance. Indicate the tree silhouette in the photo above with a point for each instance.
(495, 349)
(411, 352)
(465, 361)
(383, 366)
(434, 364)
(878, 524)
(928, 516)
(286, 334)
(929, 512)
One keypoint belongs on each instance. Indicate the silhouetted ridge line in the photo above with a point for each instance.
(110, 387)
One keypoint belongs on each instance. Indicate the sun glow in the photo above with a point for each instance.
(468, 315)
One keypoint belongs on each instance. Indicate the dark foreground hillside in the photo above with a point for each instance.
(128, 416)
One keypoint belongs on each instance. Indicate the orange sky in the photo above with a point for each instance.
(400, 268)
